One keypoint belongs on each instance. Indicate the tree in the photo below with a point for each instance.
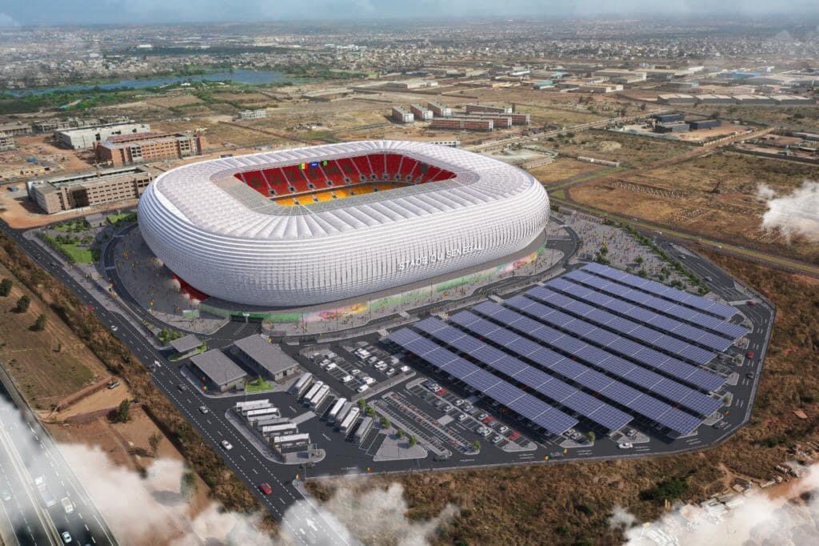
(5, 287)
(362, 403)
(399, 433)
(123, 413)
(385, 423)
(154, 440)
(39, 324)
(22, 304)
(412, 440)
(370, 411)
(476, 445)
(643, 273)
(591, 437)
(639, 260)
(188, 485)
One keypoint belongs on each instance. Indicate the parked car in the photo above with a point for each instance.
(390, 372)
(404, 369)
(462, 417)
(346, 378)
(368, 380)
(482, 416)
(503, 429)
(362, 388)
(497, 439)
(447, 408)
(459, 402)
(625, 445)
(331, 366)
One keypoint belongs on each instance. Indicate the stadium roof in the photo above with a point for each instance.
(209, 196)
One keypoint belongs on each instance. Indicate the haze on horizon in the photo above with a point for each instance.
(125, 12)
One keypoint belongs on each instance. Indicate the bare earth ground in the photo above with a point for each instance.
(563, 168)
(44, 375)
(680, 196)
(629, 150)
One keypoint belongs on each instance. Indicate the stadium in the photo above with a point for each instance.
(327, 223)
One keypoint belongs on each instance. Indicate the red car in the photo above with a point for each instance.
(265, 488)
(750, 355)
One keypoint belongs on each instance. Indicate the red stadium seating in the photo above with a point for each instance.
(360, 171)
(379, 169)
(364, 167)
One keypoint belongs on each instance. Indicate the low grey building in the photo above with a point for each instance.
(217, 371)
(186, 344)
(265, 358)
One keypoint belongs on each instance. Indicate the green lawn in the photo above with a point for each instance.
(77, 254)
(259, 385)
(115, 219)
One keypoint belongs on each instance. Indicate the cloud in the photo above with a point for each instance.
(152, 509)
(376, 515)
(788, 519)
(7, 21)
(796, 214)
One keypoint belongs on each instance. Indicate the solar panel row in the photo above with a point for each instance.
(535, 410)
(598, 317)
(666, 292)
(644, 316)
(556, 390)
(713, 324)
(547, 318)
(612, 389)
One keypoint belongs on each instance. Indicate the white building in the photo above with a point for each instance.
(88, 137)
(214, 224)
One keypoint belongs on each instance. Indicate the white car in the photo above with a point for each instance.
(114, 328)
(390, 372)
(368, 380)
(227, 445)
(404, 369)
(362, 388)
(331, 366)
(346, 378)
(625, 445)
(503, 429)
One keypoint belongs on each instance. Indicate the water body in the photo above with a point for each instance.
(257, 77)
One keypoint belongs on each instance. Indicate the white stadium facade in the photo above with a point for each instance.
(321, 224)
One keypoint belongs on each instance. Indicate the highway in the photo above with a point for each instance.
(27, 453)
(243, 459)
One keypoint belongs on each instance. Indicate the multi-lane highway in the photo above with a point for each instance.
(243, 459)
(41, 496)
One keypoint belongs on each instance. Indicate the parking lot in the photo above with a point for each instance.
(358, 369)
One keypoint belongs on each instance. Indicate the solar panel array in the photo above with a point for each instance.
(666, 292)
(594, 357)
(589, 318)
(597, 342)
(551, 387)
(611, 342)
(532, 408)
(642, 315)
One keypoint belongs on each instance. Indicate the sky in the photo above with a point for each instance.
(123, 12)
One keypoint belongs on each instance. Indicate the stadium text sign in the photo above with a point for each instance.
(435, 257)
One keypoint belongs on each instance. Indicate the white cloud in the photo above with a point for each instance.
(760, 519)
(794, 214)
(151, 509)
(7, 21)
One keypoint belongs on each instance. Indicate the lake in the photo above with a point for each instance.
(257, 77)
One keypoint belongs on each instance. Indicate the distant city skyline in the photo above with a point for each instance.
(122, 12)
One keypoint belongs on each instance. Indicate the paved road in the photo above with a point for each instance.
(28, 453)
(345, 457)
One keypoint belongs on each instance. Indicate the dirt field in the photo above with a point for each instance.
(174, 101)
(45, 375)
(562, 169)
(630, 150)
(681, 196)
